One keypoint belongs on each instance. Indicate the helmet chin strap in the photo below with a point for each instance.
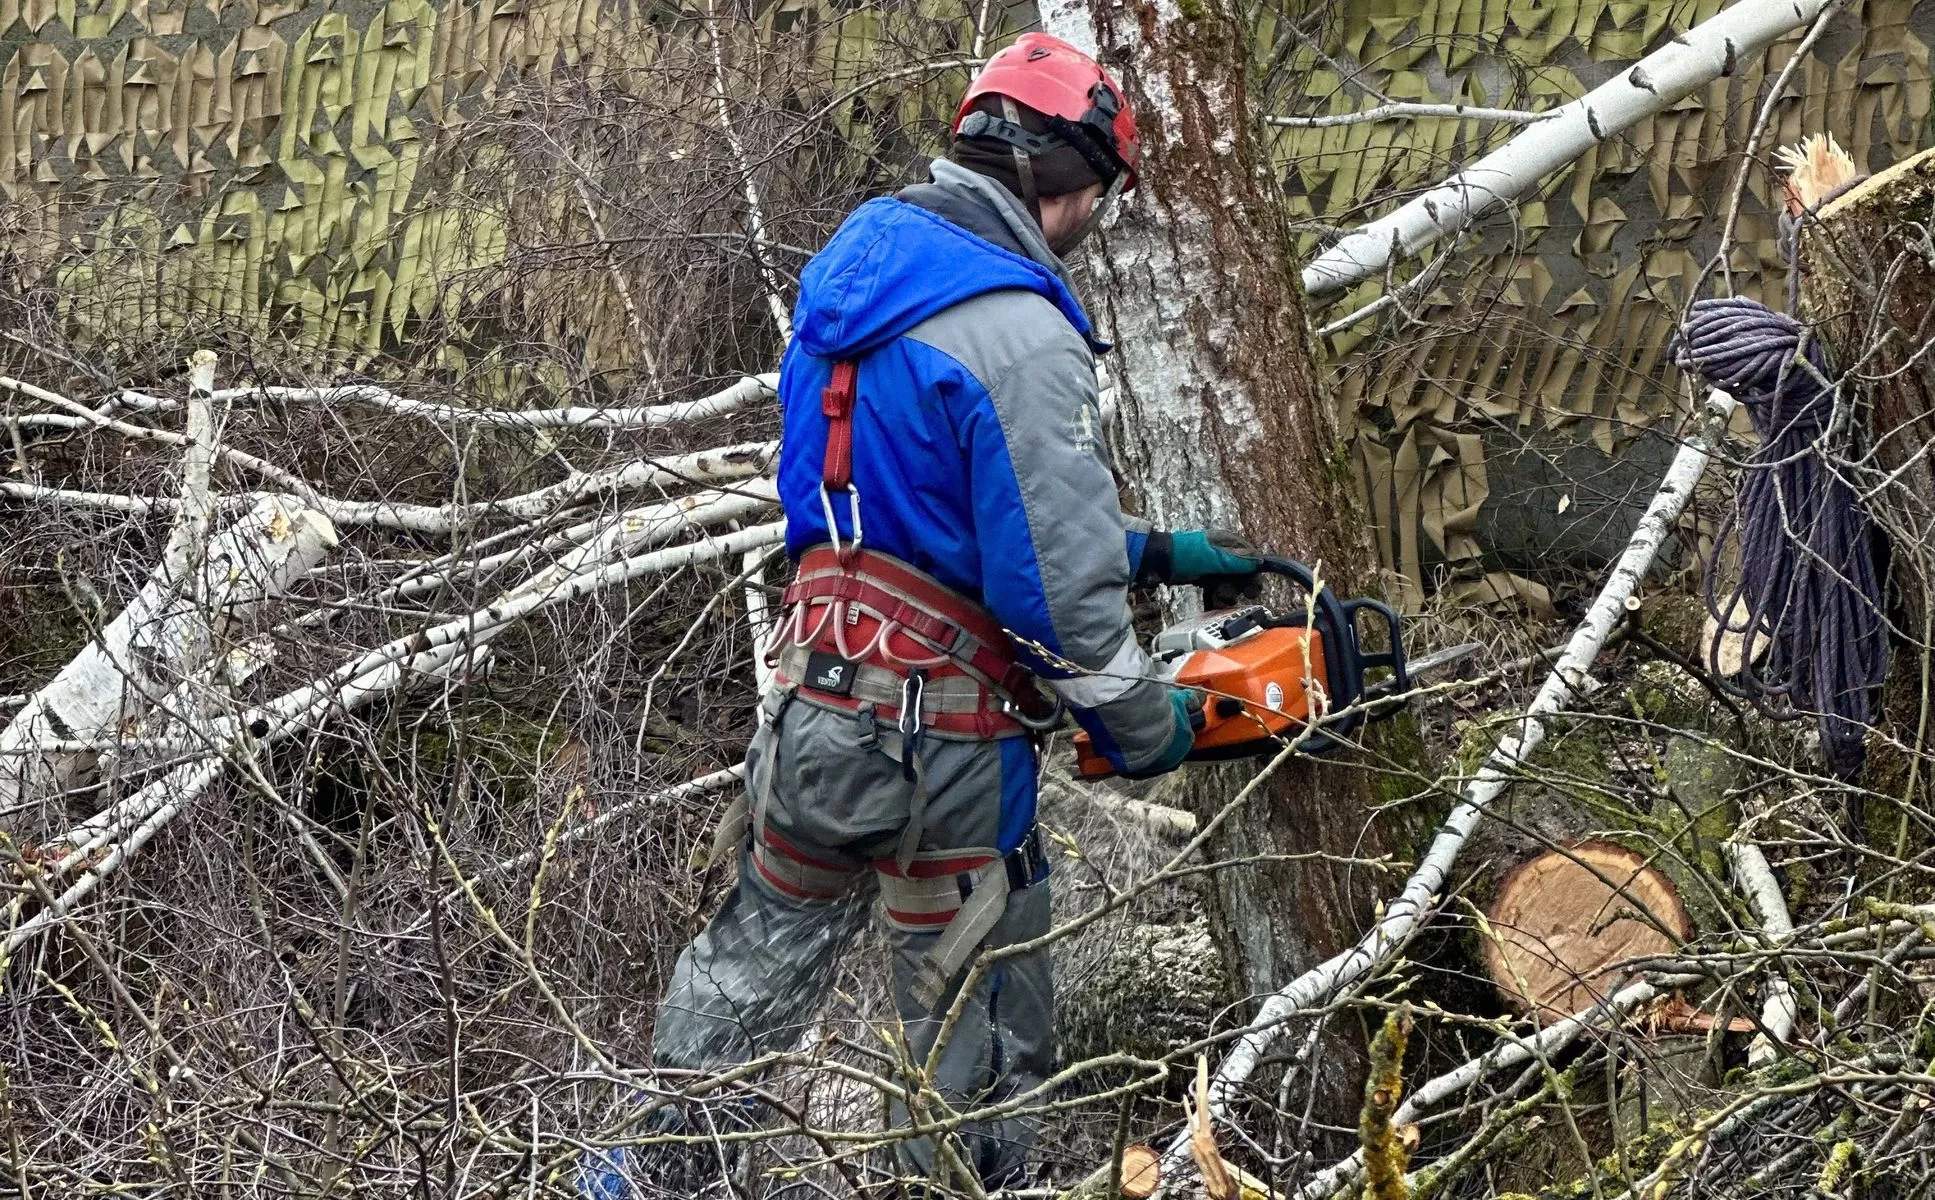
(1024, 163)
(1096, 216)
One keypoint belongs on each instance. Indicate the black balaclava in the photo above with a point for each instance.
(1058, 171)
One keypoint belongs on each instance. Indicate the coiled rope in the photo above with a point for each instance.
(1808, 592)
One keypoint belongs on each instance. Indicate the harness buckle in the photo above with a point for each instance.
(1027, 863)
(869, 730)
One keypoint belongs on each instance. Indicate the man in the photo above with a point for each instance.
(959, 538)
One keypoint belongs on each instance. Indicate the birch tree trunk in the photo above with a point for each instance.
(1221, 421)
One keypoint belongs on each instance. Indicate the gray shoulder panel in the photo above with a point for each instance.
(992, 332)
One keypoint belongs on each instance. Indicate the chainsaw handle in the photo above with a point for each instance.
(1400, 681)
(1343, 665)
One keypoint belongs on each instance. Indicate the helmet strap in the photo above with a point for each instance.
(1096, 216)
(1024, 163)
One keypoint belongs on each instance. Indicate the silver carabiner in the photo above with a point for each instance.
(913, 694)
(1037, 724)
(833, 526)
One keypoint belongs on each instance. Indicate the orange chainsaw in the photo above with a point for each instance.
(1265, 675)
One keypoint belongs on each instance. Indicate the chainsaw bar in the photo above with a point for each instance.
(1437, 660)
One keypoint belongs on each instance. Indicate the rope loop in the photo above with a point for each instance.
(1809, 596)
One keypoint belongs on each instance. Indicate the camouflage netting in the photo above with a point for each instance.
(1522, 422)
(289, 163)
(420, 178)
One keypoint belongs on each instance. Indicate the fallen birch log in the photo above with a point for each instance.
(149, 811)
(721, 466)
(1569, 677)
(748, 391)
(627, 532)
(162, 636)
(95, 419)
(1778, 1010)
(1714, 48)
(184, 725)
(703, 509)
(428, 654)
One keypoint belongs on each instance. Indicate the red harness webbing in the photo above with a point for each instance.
(836, 401)
(843, 574)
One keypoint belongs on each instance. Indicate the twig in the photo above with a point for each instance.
(1401, 110)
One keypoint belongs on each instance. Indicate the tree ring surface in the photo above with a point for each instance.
(1565, 921)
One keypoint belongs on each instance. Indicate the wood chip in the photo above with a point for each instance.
(1217, 1181)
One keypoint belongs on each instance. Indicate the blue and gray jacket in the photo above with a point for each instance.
(977, 440)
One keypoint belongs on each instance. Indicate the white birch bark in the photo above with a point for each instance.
(721, 465)
(1168, 388)
(1716, 47)
(755, 210)
(188, 540)
(759, 621)
(162, 636)
(1778, 1009)
(748, 391)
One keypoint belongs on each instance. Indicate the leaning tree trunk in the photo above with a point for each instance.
(1222, 421)
(1868, 290)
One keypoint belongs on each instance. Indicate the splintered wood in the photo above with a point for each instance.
(1566, 923)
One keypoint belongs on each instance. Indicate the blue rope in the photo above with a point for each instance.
(1812, 597)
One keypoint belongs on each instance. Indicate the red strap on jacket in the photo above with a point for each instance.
(836, 401)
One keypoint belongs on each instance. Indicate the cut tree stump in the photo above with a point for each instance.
(1565, 924)
(1868, 292)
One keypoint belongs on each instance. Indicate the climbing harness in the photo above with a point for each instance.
(864, 633)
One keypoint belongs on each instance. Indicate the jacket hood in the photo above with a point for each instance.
(893, 264)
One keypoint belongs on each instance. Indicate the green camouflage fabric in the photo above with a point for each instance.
(1515, 433)
(269, 161)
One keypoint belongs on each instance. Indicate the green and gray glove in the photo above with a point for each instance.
(1186, 706)
(1192, 555)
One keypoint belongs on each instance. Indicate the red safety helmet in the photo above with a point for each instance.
(1071, 92)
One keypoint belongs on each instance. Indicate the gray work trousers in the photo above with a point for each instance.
(753, 979)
